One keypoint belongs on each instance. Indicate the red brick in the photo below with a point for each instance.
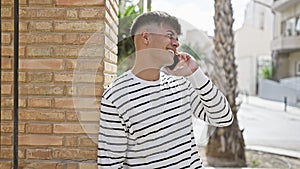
(7, 51)
(39, 128)
(8, 77)
(6, 39)
(71, 91)
(88, 142)
(6, 63)
(41, 90)
(110, 68)
(63, 77)
(40, 2)
(41, 165)
(39, 154)
(87, 165)
(70, 103)
(75, 128)
(66, 52)
(80, 26)
(72, 166)
(80, 2)
(70, 64)
(26, 12)
(71, 141)
(92, 13)
(7, 153)
(40, 102)
(7, 127)
(78, 77)
(71, 38)
(88, 90)
(72, 14)
(6, 89)
(40, 39)
(92, 39)
(35, 51)
(6, 114)
(6, 140)
(8, 102)
(6, 165)
(41, 64)
(6, 12)
(40, 140)
(90, 65)
(40, 77)
(42, 26)
(54, 13)
(71, 116)
(108, 78)
(85, 154)
(30, 115)
(7, 2)
(88, 116)
(23, 26)
(7, 26)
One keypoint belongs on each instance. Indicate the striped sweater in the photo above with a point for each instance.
(148, 124)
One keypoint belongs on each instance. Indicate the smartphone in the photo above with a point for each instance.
(176, 60)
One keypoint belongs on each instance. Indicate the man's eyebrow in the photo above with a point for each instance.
(171, 32)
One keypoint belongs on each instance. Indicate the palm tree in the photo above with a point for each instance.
(226, 146)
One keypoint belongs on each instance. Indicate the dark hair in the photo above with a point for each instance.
(157, 17)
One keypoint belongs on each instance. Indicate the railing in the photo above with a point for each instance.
(16, 84)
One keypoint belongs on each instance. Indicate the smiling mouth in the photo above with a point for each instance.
(171, 51)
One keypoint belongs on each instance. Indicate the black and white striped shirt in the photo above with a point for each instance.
(148, 124)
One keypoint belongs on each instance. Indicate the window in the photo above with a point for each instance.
(298, 68)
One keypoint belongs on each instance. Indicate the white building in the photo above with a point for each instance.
(253, 43)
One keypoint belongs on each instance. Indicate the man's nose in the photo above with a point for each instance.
(175, 43)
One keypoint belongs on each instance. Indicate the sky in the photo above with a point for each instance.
(199, 13)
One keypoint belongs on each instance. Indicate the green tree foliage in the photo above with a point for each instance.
(266, 73)
(125, 43)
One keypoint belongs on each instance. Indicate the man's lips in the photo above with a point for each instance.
(172, 51)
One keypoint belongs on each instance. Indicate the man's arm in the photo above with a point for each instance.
(112, 141)
(207, 101)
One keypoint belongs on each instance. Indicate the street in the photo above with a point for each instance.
(266, 124)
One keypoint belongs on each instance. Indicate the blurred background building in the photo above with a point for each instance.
(285, 54)
(253, 44)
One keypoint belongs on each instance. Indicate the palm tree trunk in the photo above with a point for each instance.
(226, 146)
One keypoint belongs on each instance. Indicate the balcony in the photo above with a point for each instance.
(285, 44)
(281, 5)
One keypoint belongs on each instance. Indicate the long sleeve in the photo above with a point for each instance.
(112, 141)
(207, 101)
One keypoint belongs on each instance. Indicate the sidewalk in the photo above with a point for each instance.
(275, 106)
(271, 105)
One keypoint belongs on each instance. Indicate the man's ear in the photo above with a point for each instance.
(145, 37)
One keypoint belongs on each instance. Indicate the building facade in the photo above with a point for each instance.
(286, 40)
(253, 44)
(67, 55)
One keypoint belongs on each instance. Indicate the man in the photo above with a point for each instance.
(146, 114)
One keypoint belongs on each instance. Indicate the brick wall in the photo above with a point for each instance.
(67, 55)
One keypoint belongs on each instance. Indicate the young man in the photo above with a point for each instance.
(146, 114)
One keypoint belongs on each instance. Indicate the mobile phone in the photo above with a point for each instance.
(176, 60)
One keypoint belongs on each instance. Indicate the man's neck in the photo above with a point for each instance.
(148, 74)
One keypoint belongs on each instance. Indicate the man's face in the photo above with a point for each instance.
(163, 44)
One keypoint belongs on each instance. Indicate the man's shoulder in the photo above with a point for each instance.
(119, 82)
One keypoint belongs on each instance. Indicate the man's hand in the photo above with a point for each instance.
(186, 66)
